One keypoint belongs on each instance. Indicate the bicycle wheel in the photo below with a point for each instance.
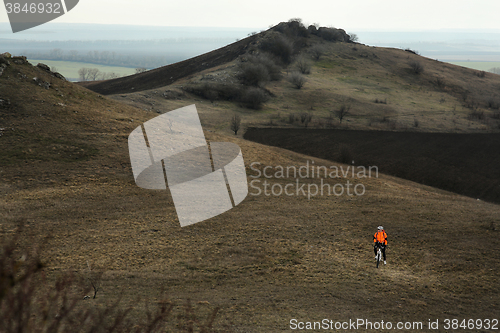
(379, 254)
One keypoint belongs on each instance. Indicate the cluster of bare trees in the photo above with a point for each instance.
(110, 58)
(94, 74)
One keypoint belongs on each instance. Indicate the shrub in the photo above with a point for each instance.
(297, 79)
(279, 46)
(381, 101)
(253, 98)
(254, 74)
(312, 29)
(353, 38)
(303, 66)
(411, 51)
(273, 70)
(317, 51)
(480, 74)
(215, 91)
(416, 67)
(440, 83)
(293, 28)
(476, 115)
(493, 104)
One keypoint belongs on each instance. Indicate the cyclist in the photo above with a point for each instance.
(380, 240)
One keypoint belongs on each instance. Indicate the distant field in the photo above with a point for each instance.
(461, 163)
(70, 69)
(479, 65)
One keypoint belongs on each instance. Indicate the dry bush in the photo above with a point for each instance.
(317, 51)
(493, 103)
(303, 65)
(253, 98)
(257, 70)
(440, 83)
(297, 79)
(215, 91)
(416, 67)
(476, 115)
(381, 101)
(480, 74)
(279, 46)
(412, 51)
(353, 38)
(254, 74)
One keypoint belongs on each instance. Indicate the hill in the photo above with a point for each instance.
(65, 175)
(382, 88)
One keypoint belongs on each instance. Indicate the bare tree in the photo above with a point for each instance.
(94, 278)
(235, 123)
(353, 37)
(83, 74)
(93, 74)
(343, 110)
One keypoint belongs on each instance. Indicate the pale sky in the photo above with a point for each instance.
(351, 15)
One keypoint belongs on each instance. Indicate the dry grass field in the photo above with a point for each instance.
(66, 179)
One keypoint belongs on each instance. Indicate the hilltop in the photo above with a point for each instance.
(65, 174)
(382, 88)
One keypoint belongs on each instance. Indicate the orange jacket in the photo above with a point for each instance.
(381, 237)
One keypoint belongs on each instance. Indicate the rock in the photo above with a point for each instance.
(20, 60)
(4, 61)
(41, 83)
(43, 66)
(6, 55)
(59, 76)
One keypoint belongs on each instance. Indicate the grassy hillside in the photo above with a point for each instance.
(65, 175)
(379, 85)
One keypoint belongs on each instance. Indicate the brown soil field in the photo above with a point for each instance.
(461, 163)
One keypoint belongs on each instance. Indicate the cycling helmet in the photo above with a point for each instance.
(380, 227)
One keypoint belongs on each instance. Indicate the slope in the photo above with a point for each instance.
(381, 87)
(65, 174)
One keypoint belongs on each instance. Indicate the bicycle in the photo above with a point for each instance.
(379, 255)
(378, 258)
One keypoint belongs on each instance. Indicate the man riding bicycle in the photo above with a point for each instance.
(380, 240)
